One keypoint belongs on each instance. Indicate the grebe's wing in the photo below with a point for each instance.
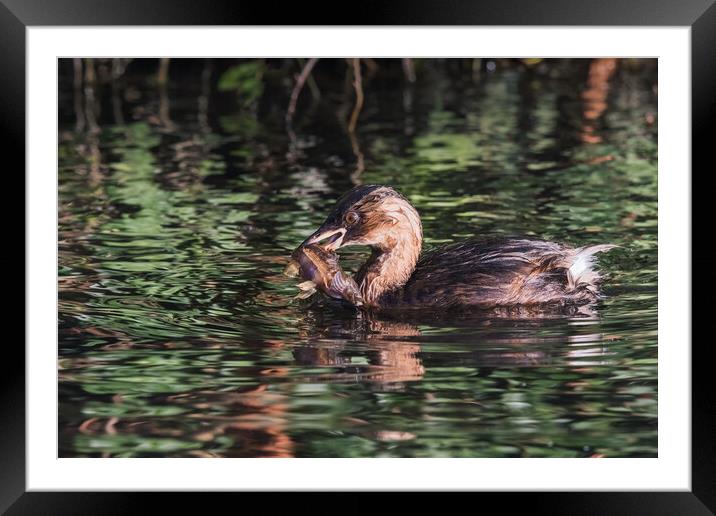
(501, 273)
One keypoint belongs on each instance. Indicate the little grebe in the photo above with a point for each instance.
(483, 275)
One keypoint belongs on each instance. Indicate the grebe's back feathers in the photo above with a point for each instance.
(500, 273)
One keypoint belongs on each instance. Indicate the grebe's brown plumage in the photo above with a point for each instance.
(479, 274)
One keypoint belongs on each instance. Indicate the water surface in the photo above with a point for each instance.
(178, 208)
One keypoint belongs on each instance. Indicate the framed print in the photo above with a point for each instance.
(450, 255)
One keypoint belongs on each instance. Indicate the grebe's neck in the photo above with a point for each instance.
(393, 260)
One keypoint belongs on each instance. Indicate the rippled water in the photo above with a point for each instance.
(179, 206)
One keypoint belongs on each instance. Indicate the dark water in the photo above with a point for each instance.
(178, 207)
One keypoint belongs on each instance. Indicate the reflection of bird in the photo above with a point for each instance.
(392, 355)
(469, 273)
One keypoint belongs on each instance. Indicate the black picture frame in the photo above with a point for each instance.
(17, 15)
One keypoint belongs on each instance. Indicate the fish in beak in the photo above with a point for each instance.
(319, 267)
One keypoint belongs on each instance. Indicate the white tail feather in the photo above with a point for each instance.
(580, 269)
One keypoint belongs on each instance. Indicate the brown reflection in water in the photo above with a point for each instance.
(595, 97)
(254, 418)
(92, 108)
(392, 357)
(77, 95)
(164, 108)
(117, 71)
(394, 354)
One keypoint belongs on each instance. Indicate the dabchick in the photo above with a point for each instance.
(479, 274)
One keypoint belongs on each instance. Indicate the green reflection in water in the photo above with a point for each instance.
(179, 336)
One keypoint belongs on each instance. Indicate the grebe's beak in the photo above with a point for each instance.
(332, 236)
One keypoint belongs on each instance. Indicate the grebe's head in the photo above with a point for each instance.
(371, 215)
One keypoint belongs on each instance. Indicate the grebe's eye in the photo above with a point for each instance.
(351, 218)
